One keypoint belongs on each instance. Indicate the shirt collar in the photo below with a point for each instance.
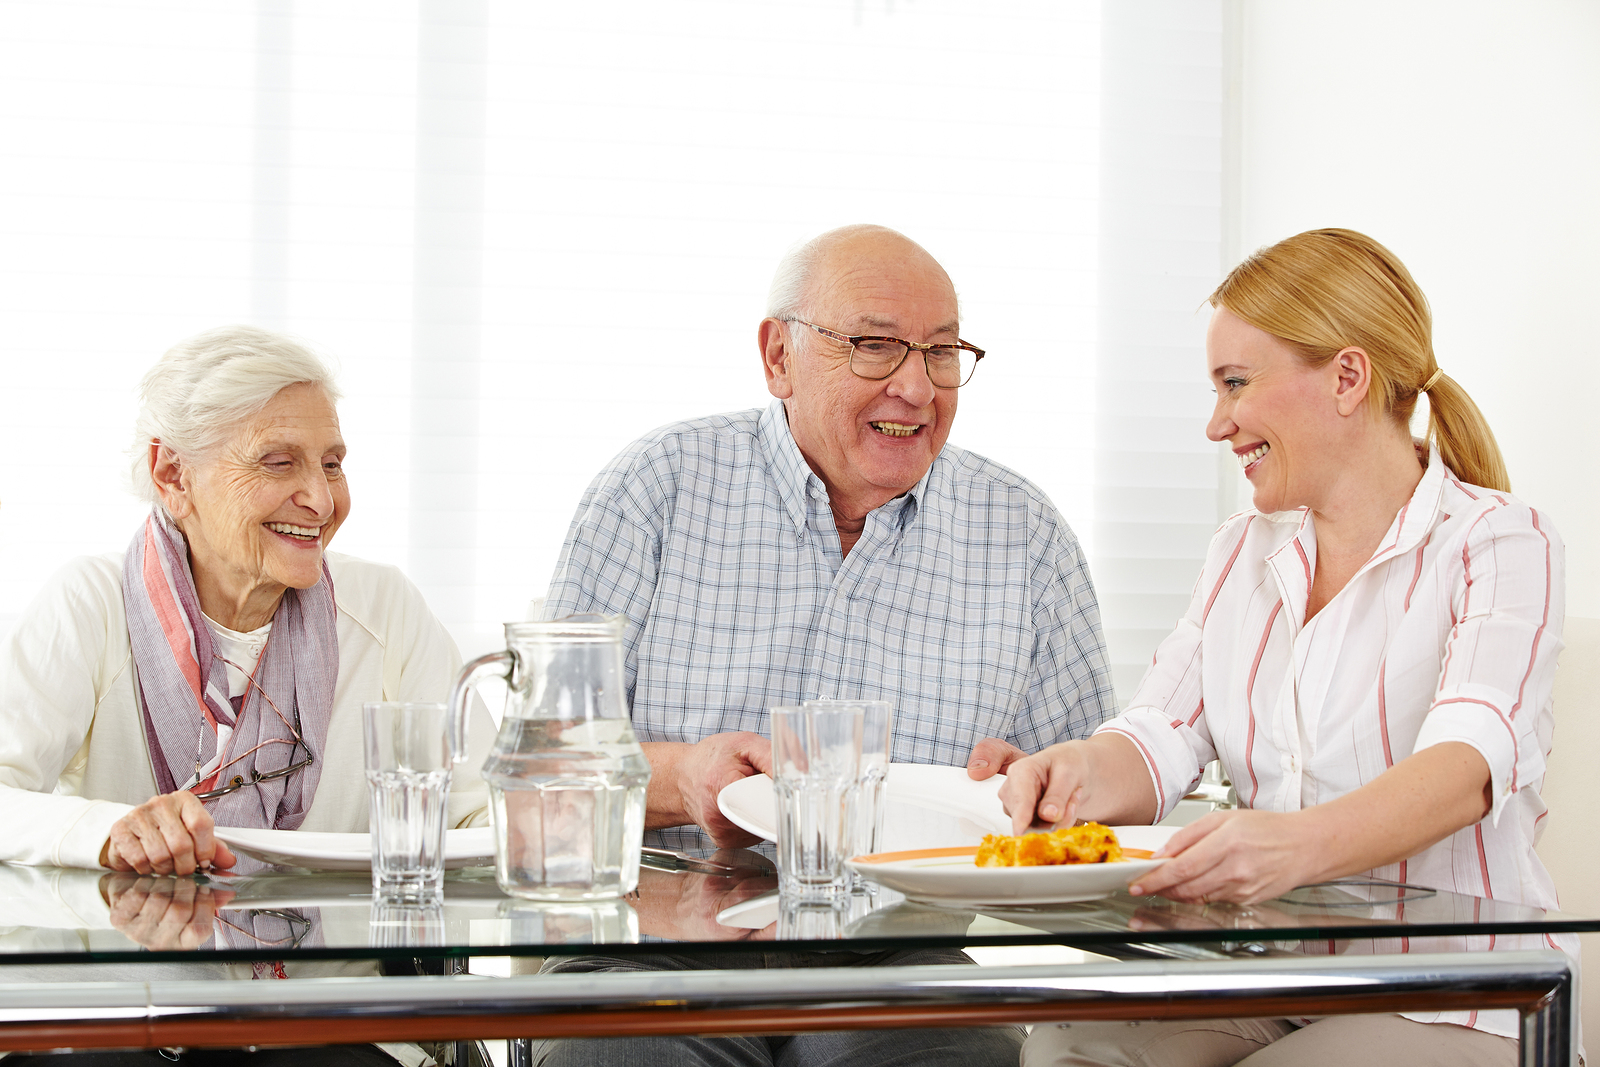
(1416, 517)
(790, 470)
(914, 497)
(795, 476)
(1420, 514)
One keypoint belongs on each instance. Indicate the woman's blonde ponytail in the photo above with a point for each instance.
(1462, 435)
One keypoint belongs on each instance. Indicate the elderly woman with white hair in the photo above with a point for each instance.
(213, 673)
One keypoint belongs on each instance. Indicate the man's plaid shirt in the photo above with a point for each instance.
(966, 603)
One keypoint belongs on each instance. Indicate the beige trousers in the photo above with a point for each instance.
(1336, 1041)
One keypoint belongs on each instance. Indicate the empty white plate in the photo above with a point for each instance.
(316, 851)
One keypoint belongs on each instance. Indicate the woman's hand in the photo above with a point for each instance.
(162, 913)
(1248, 856)
(1046, 787)
(1103, 778)
(1241, 857)
(167, 834)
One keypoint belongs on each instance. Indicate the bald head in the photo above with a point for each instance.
(819, 260)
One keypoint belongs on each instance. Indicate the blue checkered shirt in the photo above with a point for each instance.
(966, 603)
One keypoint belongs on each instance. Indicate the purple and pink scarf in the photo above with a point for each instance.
(182, 686)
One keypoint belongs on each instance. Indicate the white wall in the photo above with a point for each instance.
(1465, 135)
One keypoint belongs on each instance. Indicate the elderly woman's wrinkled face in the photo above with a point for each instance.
(259, 514)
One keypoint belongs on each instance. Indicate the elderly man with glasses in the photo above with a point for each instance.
(833, 545)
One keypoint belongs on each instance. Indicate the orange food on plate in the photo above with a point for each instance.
(1089, 843)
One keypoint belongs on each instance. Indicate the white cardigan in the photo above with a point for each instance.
(73, 755)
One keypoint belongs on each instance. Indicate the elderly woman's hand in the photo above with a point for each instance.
(167, 834)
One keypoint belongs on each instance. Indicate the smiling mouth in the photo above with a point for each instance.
(1250, 458)
(299, 533)
(895, 429)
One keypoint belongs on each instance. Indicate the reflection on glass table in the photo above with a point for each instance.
(727, 900)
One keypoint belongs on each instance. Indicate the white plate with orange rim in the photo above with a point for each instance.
(321, 851)
(948, 876)
(926, 807)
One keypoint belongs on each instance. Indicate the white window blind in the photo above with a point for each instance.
(529, 233)
(1158, 489)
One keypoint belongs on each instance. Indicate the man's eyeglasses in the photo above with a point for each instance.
(949, 366)
(239, 781)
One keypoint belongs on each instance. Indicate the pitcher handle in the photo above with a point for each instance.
(502, 663)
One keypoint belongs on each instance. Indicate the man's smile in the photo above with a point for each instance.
(895, 429)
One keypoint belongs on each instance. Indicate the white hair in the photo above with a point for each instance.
(791, 283)
(198, 394)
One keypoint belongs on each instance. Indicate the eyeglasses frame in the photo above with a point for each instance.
(911, 346)
(237, 782)
(299, 927)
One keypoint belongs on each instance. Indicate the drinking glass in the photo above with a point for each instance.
(811, 919)
(597, 922)
(408, 779)
(816, 762)
(392, 924)
(868, 800)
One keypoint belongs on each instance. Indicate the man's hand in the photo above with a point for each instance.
(683, 905)
(162, 913)
(990, 757)
(167, 834)
(685, 780)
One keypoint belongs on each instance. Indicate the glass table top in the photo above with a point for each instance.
(50, 915)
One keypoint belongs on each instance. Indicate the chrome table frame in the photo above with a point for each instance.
(1540, 985)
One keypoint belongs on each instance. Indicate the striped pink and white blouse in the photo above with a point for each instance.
(1449, 633)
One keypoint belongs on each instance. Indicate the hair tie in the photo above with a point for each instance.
(1437, 373)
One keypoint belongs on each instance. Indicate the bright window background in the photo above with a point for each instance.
(526, 234)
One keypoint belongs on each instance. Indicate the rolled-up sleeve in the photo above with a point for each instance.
(1498, 669)
(1165, 719)
(1175, 748)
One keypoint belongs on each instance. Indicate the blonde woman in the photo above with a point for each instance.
(1369, 652)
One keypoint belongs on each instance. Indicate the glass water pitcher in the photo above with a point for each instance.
(566, 775)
